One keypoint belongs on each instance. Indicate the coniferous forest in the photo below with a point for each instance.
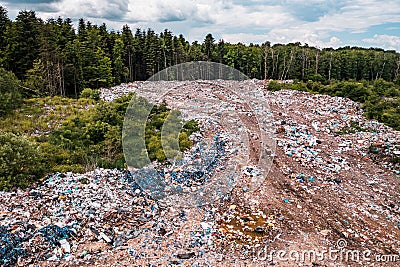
(53, 58)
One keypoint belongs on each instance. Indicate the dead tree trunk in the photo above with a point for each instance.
(289, 65)
(284, 68)
(273, 63)
(303, 64)
(396, 75)
(330, 69)
(266, 52)
(379, 75)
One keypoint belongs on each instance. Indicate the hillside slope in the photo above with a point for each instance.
(333, 184)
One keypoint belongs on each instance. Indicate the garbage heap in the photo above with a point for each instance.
(335, 177)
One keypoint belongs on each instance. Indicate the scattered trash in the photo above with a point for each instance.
(65, 246)
(186, 255)
(324, 185)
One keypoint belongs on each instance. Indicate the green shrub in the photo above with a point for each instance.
(90, 93)
(20, 161)
(10, 95)
(317, 78)
(154, 125)
(274, 86)
(77, 168)
(79, 140)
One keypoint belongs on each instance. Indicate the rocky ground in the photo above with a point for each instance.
(332, 189)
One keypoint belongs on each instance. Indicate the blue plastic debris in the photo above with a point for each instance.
(182, 215)
(53, 234)
(132, 252)
(10, 246)
(197, 174)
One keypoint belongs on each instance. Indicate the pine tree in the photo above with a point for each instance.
(4, 23)
(23, 43)
(10, 95)
(208, 47)
(128, 52)
(120, 72)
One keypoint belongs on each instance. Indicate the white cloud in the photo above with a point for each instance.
(91, 8)
(334, 42)
(167, 10)
(358, 15)
(244, 38)
(385, 41)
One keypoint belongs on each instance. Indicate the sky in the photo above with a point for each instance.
(364, 23)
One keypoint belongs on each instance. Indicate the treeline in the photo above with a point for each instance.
(53, 58)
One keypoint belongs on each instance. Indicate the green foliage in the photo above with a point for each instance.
(384, 88)
(77, 168)
(22, 43)
(159, 117)
(50, 57)
(90, 93)
(353, 128)
(191, 127)
(80, 134)
(20, 161)
(274, 86)
(4, 23)
(353, 90)
(301, 86)
(36, 77)
(94, 137)
(10, 95)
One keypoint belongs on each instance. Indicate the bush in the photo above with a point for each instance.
(20, 161)
(154, 126)
(90, 93)
(77, 168)
(274, 86)
(10, 95)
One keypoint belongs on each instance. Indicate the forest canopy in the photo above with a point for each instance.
(54, 58)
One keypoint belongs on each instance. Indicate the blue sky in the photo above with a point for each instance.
(365, 23)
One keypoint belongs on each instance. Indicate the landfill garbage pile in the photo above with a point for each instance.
(109, 94)
(333, 183)
(188, 174)
(48, 222)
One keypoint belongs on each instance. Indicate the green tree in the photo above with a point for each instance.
(20, 161)
(10, 94)
(103, 77)
(209, 47)
(37, 79)
(120, 72)
(128, 54)
(152, 53)
(23, 43)
(73, 69)
(166, 43)
(4, 23)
